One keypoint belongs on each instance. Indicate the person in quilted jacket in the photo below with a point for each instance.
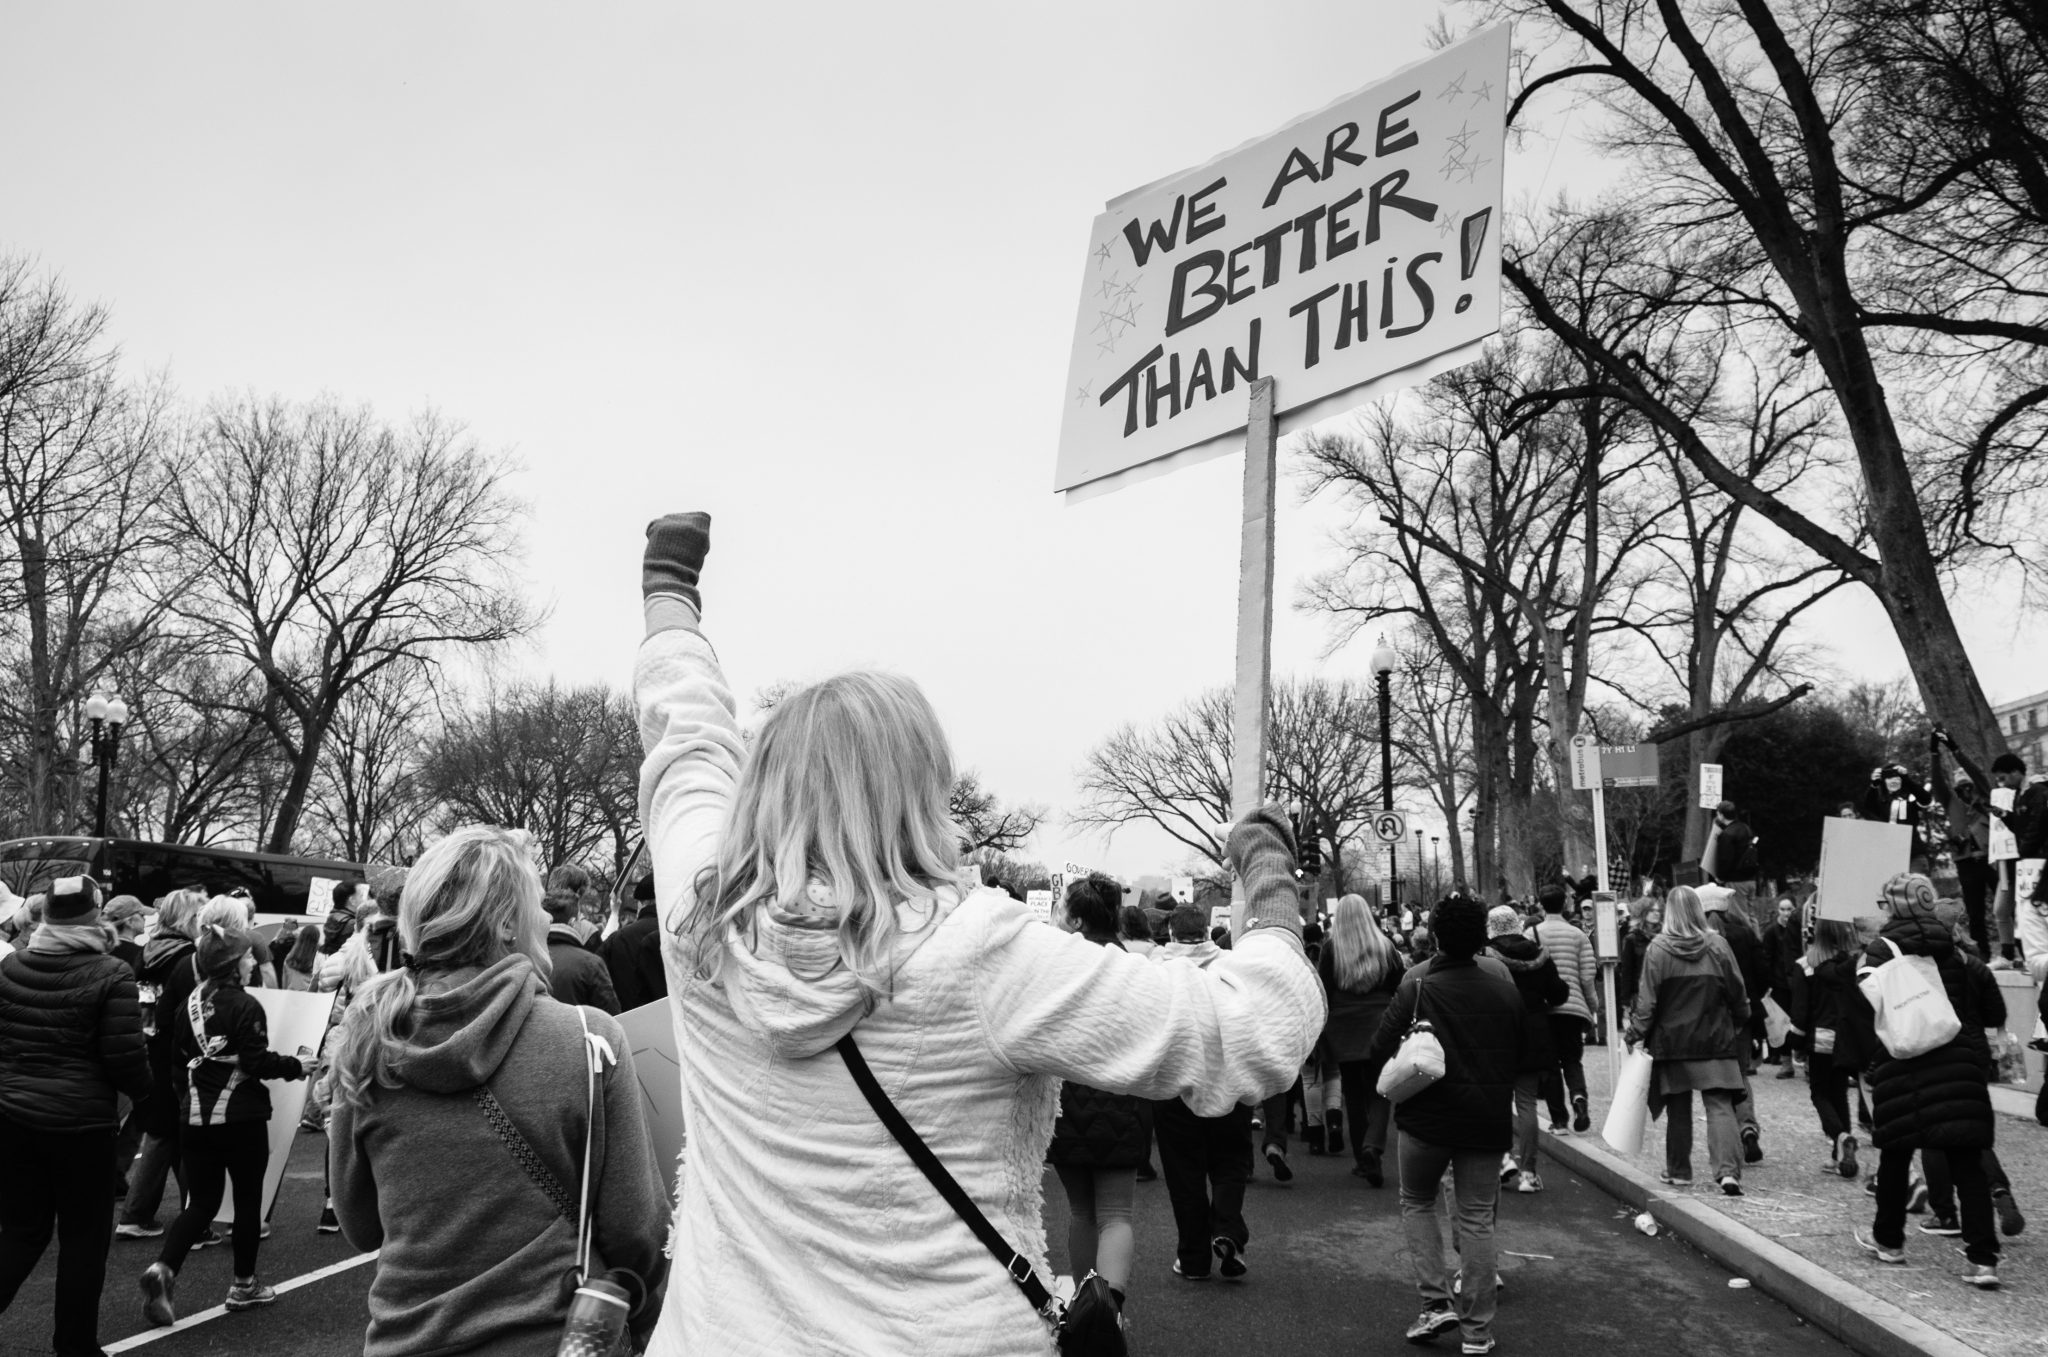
(1939, 1102)
(70, 1039)
(1099, 1138)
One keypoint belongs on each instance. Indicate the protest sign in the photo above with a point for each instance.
(2004, 844)
(1219, 916)
(297, 1020)
(1710, 786)
(1040, 903)
(320, 897)
(651, 1036)
(1352, 252)
(1184, 890)
(1856, 858)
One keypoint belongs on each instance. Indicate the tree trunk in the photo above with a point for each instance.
(1574, 816)
(48, 812)
(291, 807)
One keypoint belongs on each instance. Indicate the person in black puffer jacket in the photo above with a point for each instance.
(1542, 989)
(70, 1038)
(1099, 1139)
(1938, 1103)
(1462, 1124)
(168, 976)
(1839, 1037)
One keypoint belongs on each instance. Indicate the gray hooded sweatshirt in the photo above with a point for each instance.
(474, 1251)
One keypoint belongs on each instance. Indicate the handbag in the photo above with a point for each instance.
(577, 1283)
(1420, 1060)
(1091, 1325)
(1914, 1015)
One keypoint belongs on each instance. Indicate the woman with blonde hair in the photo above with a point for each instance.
(1691, 1012)
(475, 1120)
(812, 890)
(1360, 970)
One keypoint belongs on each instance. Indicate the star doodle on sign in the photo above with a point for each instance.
(1102, 254)
(1484, 94)
(1472, 169)
(1447, 225)
(1103, 320)
(1452, 164)
(1461, 139)
(1107, 345)
(1129, 315)
(1110, 284)
(1082, 394)
(1454, 90)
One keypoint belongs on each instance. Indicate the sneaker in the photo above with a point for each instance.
(1478, 1345)
(1558, 1128)
(1528, 1182)
(1230, 1264)
(1983, 1276)
(1187, 1276)
(1916, 1200)
(1948, 1227)
(1752, 1146)
(329, 1222)
(1369, 1168)
(250, 1294)
(1582, 1121)
(1788, 1072)
(1845, 1155)
(2010, 1221)
(144, 1229)
(1672, 1180)
(1730, 1187)
(1508, 1169)
(1277, 1157)
(309, 1122)
(1870, 1187)
(2001, 963)
(159, 1295)
(1437, 1319)
(1879, 1251)
(208, 1238)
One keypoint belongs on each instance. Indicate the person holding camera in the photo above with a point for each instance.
(458, 1060)
(812, 884)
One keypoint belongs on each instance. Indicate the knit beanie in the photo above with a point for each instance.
(1501, 921)
(73, 900)
(1909, 893)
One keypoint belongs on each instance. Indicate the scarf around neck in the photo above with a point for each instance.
(60, 938)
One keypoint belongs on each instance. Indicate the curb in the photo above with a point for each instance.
(1874, 1327)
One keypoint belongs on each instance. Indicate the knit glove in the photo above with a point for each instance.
(1261, 848)
(669, 566)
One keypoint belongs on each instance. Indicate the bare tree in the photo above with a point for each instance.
(1432, 723)
(370, 801)
(1772, 194)
(1322, 750)
(986, 824)
(326, 547)
(194, 764)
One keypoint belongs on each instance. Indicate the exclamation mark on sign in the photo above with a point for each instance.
(1471, 238)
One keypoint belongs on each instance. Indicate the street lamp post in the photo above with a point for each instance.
(108, 715)
(1418, 871)
(1436, 862)
(1383, 667)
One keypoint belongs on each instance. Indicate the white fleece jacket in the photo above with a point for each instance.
(803, 1227)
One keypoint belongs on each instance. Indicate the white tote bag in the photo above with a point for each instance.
(1418, 1063)
(1628, 1116)
(1914, 1015)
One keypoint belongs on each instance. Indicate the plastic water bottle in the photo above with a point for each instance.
(597, 1320)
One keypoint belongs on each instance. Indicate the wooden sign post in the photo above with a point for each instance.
(1254, 697)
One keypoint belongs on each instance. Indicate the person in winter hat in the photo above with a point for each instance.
(70, 1041)
(1099, 1139)
(167, 977)
(1939, 1102)
(1895, 795)
(1542, 990)
(222, 1041)
(817, 895)
(1692, 1013)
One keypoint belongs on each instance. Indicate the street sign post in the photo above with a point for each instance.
(1389, 826)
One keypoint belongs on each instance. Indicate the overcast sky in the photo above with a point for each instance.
(812, 267)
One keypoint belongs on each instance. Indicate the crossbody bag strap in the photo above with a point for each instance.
(529, 1159)
(1016, 1264)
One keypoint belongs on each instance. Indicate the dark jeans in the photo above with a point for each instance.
(1569, 1036)
(1941, 1185)
(1366, 1113)
(56, 1183)
(1206, 1162)
(1973, 1194)
(214, 1154)
(158, 1158)
(1978, 881)
(1829, 1087)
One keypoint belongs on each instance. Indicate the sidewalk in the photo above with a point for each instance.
(1790, 1204)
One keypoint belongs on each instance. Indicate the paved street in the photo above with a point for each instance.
(1328, 1275)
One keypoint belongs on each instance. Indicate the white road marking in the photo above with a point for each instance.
(193, 1321)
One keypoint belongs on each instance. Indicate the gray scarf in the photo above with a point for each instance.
(59, 938)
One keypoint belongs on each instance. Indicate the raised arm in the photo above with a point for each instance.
(689, 725)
